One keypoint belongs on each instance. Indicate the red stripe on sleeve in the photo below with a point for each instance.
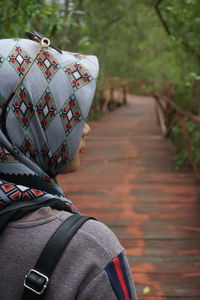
(121, 277)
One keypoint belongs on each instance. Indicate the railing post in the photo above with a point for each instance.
(102, 101)
(124, 94)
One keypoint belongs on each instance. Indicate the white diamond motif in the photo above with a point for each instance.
(59, 159)
(45, 110)
(22, 188)
(6, 151)
(23, 107)
(69, 115)
(19, 59)
(77, 75)
(47, 63)
(28, 153)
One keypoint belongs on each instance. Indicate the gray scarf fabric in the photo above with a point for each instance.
(44, 119)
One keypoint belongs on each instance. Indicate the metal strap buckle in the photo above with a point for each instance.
(31, 286)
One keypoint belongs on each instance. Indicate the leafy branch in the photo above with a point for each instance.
(168, 30)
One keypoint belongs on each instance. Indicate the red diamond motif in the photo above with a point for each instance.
(7, 187)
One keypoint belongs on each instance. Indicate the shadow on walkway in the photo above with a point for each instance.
(127, 181)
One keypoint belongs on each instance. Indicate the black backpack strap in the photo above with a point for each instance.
(37, 279)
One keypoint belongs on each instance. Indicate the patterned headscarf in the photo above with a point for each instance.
(44, 120)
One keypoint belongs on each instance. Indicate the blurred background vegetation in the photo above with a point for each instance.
(149, 44)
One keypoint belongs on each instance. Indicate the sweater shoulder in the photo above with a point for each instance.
(98, 238)
(91, 249)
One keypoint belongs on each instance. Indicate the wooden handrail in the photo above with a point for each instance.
(188, 115)
(166, 122)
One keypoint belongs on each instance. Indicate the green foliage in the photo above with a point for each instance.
(183, 19)
(131, 42)
(127, 36)
(55, 19)
(182, 158)
(182, 96)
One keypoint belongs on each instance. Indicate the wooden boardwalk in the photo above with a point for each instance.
(127, 181)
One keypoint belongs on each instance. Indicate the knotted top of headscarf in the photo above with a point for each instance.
(44, 122)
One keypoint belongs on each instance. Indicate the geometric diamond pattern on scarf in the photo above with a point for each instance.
(19, 60)
(19, 193)
(1, 60)
(70, 114)
(60, 156)
(46, 109)
(78, 75)
(48, 179)
(23, 106)
(6, 157)
(45, 153)
(48, 65)
(7, 188)
(72, 208)
(28, 149)
(78, 56)
(2, 105)
(40, 100)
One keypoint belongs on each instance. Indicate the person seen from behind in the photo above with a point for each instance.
(45, 97)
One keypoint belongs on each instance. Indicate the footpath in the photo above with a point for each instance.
(127, 180)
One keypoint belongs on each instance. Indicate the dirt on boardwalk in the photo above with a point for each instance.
(127, 180)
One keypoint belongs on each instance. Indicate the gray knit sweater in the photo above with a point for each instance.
(89, 268)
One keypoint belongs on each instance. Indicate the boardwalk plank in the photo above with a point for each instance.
(128, 181)
(186, 285)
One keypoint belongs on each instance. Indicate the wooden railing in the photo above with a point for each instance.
(114, 94)
(168, 115)
(110, 97)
